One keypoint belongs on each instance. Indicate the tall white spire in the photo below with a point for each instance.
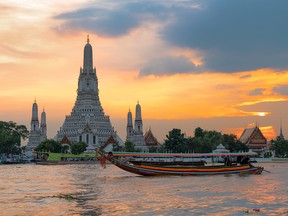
(281, 132)
(129, 129)
(138, 125)
(88, 57)
(37, 134)
(136, 135)
(34, 120)
(43, 126)
(88, 81)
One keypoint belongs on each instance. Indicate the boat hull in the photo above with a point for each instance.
(185, 171)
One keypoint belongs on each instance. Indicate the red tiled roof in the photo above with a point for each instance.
(253, 137)
(150, 139)
(65, 140)
(110, 140)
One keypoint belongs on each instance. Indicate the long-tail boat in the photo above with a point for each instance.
(154, 170)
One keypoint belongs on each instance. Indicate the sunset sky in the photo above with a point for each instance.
(219, 65)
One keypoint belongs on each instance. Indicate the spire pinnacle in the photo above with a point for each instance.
(88, 57)
(281, 132)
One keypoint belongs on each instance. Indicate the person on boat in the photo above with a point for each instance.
(245, 161)
(227, 161)
(103, 161)
(239, 159)
(110, 154)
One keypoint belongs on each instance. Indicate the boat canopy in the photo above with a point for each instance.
(196, 155)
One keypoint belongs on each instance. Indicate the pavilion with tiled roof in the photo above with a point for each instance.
(150, 139)
(65, 140)
(254, 139)
(108, 146)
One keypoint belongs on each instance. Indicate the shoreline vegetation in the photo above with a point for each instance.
(203, 141)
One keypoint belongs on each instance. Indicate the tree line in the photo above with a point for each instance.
(203, 141)
(11, 135)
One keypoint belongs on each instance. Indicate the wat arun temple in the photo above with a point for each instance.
(87, 121)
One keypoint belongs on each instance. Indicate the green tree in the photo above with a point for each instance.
(78, 148)
(199, 132)
(129, 147)
(193, 144)
(152, 149)
(280, 145)
(10, 137)
(50, 145)
(204, 141)
(207, 144)
(233, 144)
(116, 147)
(175, 142)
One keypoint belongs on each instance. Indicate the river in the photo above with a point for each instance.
(89, 189)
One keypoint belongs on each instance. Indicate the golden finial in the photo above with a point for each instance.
(88, 38)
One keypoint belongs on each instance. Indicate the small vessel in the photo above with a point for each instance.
(157, 170)
(49, 158)
(15, 159)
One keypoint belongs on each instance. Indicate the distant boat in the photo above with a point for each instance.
(150, 170)
(15, 159)
(49, 158)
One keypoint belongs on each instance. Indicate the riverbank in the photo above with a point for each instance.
(272, 160)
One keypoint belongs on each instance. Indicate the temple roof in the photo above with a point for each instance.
(65, 140)
(110, 140)
(252, 135)
(150, 139)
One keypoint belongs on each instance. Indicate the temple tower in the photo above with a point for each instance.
(43, 126)
(34, 120)
(138, 125)
(281, 132)
(37, 135)
(129, 129)
(87, 122)
(136, 135)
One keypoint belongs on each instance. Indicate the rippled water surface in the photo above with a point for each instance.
(91, 190)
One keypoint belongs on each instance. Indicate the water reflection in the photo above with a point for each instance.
(91, 190)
